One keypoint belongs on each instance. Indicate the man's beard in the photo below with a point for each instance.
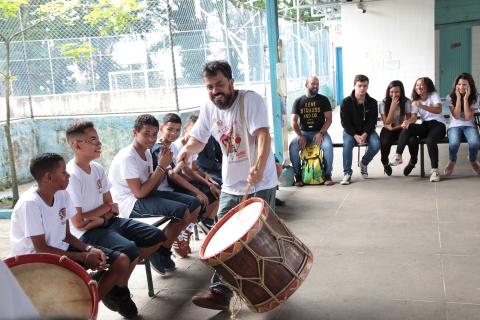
(312, 92)
(226, 101)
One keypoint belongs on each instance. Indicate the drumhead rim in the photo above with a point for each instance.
(221, 222)
(62, 261)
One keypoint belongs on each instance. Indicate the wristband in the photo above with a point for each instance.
(88, 248)
(86, 258)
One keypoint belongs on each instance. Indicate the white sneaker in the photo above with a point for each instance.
(435, 175)
(397, 160)
(363, 170)
(346, 179)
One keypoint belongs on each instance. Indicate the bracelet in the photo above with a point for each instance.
(162, 169)
(86, 258)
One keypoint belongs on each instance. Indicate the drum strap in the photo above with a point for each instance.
(245, 130)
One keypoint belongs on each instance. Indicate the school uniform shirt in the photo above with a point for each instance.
(461, 122)
(396, 115)
(425, 115)
(32, 217)
(226, 126)
(128, 164)
(86, 189)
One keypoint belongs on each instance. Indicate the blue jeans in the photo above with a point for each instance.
(227, 202)
(455, 138)
(348, 144)
(327, 149)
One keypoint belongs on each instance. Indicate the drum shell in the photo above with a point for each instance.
(79, 279)
(266, 265)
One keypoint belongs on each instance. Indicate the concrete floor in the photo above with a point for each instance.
(385, 248)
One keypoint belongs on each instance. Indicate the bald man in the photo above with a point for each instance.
(311, 118)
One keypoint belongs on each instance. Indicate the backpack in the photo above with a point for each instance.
(311, 160)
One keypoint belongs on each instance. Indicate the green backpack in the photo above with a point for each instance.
(311, 159)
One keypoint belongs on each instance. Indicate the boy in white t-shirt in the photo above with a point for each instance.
(134, 187)
(40, 223)
(187, 183)
(89, 190)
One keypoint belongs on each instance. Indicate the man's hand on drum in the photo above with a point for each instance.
(255, 176)
(96, 259)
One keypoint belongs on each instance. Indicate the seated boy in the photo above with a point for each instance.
(40, 225)
(95, 221)
(134, 187)
(205, 191)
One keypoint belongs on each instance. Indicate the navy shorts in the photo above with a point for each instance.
(164, 204)
(203, 188)
(125, 236)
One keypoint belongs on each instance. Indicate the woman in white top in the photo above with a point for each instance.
(394, 109)
(426, 104)
(463, 101)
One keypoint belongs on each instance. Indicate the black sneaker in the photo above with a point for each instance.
(165, 258)
(387, 169)
(110, 300)
(126, 306)
(408, 169)
(156, 263)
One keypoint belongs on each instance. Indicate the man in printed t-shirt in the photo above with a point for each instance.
(315, 114)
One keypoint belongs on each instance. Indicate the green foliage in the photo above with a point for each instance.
(114, 16)
(9, 8)
(77, 51)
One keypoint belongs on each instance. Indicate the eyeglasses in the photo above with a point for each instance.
(93, 140)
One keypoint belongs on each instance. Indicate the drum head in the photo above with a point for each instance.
(54, 290)
(235, 227)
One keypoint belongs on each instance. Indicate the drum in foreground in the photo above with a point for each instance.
(257, 255)
(57, 286)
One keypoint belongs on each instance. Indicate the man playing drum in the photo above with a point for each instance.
(242, 169)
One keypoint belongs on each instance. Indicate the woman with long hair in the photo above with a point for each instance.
(427, 105)
(463, 100)
(394, 109)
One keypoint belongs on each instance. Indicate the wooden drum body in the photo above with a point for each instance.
(57, 286)
(257, 255)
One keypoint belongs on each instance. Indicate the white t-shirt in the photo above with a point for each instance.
(461, 122)
(396, 114)
(432, 100)
(32, 217)
(128, 164)
(86, 190)
(226, 127)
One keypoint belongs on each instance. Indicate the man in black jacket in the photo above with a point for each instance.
(359, 113)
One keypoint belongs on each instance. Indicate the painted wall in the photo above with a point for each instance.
(391, 40)
(114, 131)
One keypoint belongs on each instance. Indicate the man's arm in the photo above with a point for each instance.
(372, 119)
(192, 147)
(345, 117)
(263, 146)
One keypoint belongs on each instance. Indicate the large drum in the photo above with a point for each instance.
(257, 255)
(57, 286)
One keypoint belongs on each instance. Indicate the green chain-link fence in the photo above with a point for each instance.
(133, 71)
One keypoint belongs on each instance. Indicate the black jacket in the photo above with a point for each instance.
(359, 118)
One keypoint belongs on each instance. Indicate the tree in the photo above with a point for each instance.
(19, 17)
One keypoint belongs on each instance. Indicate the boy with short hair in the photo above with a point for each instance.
(89, 190)
(40, 224)
(135, 182)
(205, 191)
